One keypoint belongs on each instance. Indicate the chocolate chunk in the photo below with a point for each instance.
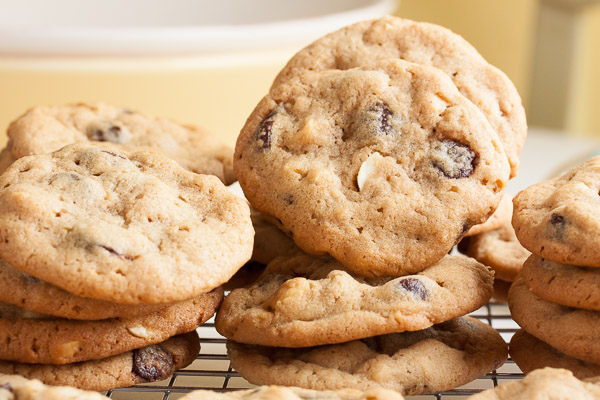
(383, 116)
(264, 131)
(414, 286)
(152, 363)
(106, 131)
(557, 220)
(453, 159)
(116, 253)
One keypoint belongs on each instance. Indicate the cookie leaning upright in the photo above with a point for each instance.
(358, 163)
(368, 42)
(123, 227)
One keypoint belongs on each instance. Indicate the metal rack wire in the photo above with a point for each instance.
(212, 369)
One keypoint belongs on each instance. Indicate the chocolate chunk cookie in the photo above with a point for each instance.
(369, 42)
(498, 249)
(47, 340)
(562, 283)
(384, 169)
(123, 227)
(308, 301)
(547, 383)
(44, 129)
(559, 219)
(435, 359)
(531, 353)
(148, 364)
(294, 393)
(571, 331)
(35, 295)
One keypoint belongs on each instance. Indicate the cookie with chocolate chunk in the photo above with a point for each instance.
(44, 129)
(131, 228)
(34, 338)
(530, 353)
(432, 360)
(147, 364)
(367, 43)
(308, 301)
(294, 393)
(564, 284)
(571, 331)
(559, 219)
(384, 168)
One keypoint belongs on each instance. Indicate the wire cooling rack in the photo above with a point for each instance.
(212, 369)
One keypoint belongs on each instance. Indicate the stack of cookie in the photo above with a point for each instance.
(555, 298)
(110, 259)
(495, 244)
(376, 149)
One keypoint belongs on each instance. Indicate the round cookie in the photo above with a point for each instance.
(293, 393)
(542, 384)
(40, 339)
(531, 353)
(501, 216)
(432, 360)
(559, 219)
(15, 387)
(564, 284)
(44, 129)
(129, 228)
(571, 331)
(148, 364)
(34, 295)
(499, 249)
(367, 43)
(360, 163)
(308, 301)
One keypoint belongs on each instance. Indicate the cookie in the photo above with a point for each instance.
(123, 227)
(501, 216)
(294, 393)
(34, 295)
(309, 301)
(564, 284)
(559, 219)
(147, 364)
(571, 331)
(44, 129)
(15, 387)
(383, 169)
(367, 43)
(40, 339)
(531, 353)
(542, 384)
(435, 359)
(499, 249)
(270, 241)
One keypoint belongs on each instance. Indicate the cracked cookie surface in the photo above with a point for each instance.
(147, 364)
(31, 338)
(308, 301)
(124, 227)
(44, 129)
(383, 169)
(559, 219)
(435, 359)
(369, 42)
